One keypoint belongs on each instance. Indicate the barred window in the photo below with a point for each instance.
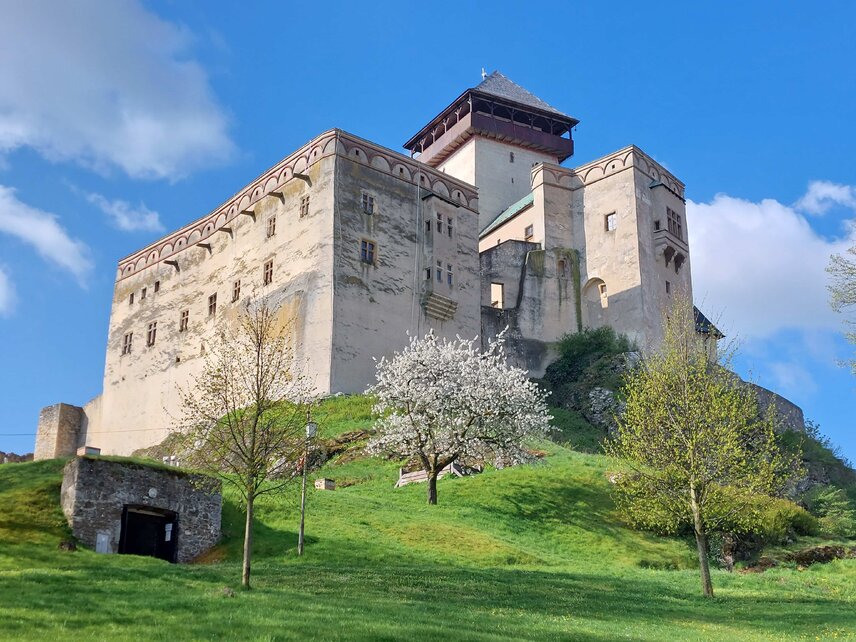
(152, 333)
(268, 273)
(271, 226)
(212, 305)
(304, 205)
(183, 320)
(236, 290)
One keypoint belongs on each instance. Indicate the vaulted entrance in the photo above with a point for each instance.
(149, 531)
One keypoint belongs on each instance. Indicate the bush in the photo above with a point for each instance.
(834, 510)
(580, 350)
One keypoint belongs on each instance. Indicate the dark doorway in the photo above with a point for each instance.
(149, 531)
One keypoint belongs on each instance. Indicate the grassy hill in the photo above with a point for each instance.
(530, 553)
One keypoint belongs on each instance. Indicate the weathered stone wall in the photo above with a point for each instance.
(95, 491)
(58, 433)
(790, 416)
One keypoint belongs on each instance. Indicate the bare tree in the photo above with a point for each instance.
(842, 290)
(244, 416)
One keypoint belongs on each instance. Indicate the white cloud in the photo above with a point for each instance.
(125, 216)
(106, 84)
(823, 195)
(761, 266)
(42, 231)
(7, 294)
(792, 379)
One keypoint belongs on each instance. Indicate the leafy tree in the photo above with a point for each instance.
(441, 401)
(842, 290)
(244, 417)
(698, 449)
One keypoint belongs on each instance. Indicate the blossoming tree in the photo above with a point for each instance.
(440, 401)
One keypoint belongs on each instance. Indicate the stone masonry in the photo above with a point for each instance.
(95, 491)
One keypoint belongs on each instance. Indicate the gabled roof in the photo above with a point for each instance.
(509, 213)
(703, 325)
(500, 86)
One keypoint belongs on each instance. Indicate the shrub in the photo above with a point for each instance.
(834, 510)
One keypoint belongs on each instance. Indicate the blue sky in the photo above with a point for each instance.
(121, 121)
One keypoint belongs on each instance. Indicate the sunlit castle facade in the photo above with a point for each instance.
(356, 245)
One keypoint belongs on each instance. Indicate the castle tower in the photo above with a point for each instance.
(491, 136)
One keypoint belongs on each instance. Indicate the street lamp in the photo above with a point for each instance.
(311, 431)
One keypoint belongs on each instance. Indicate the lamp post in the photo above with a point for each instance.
(311, 430)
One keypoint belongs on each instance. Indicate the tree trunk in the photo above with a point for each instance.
(248, 543)
(432, 487)
(701, 545)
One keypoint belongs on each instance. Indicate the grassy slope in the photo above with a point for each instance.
(525, 553)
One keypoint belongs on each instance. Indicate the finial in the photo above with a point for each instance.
(484, 74)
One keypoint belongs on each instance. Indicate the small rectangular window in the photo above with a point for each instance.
(304, 205)
(562, 269)
(268, 273)
(427, 274)
(439, 223)
(657, 225)
(236, 290)
(529, 232)
(497, 295)
(367, 252)
(183, 319)
(271, 226)
(142, 294)
(212, 305)
(127, 340)
(510, 157)
(611, 222)
(157, 287)
(449, 226)
(427, 231)
(131, 300)
(152, 333)
(439, 271)
(449, 278)
(368, 203)
(602, 289)
(668, 288)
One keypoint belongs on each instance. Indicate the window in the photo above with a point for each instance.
(212, 305)
(368, 203)
(304, 205)
(427, 274)
(152, 333)
(142, 294)
(157, 287)
(183, 318)
(427, 227)
(236, 290)
(497, 295)
(131, 300)
(439, 223)
(449, 278)
(611, 222)
(367, 251)
(271, 226)
(510, 157)
(268, 273)
(449, 226)
(675, 223)
(126, 343)
(668, 288)
(602, 289)
(439, 271)
(657, 225)
(562, 269)
(529, 232)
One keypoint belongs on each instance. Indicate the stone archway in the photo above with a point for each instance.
(595, 304)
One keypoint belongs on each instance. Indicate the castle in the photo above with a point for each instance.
(356, 245)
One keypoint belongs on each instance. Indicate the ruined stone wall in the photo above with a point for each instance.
(790, 416)
(59, 431)
(95, 491)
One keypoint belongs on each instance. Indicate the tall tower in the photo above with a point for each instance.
(491, 136)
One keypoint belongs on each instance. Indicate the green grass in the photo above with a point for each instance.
(529, 553)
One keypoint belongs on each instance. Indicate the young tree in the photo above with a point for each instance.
(842, 290)
(698, 449)
(441, 401)
(244, 417)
